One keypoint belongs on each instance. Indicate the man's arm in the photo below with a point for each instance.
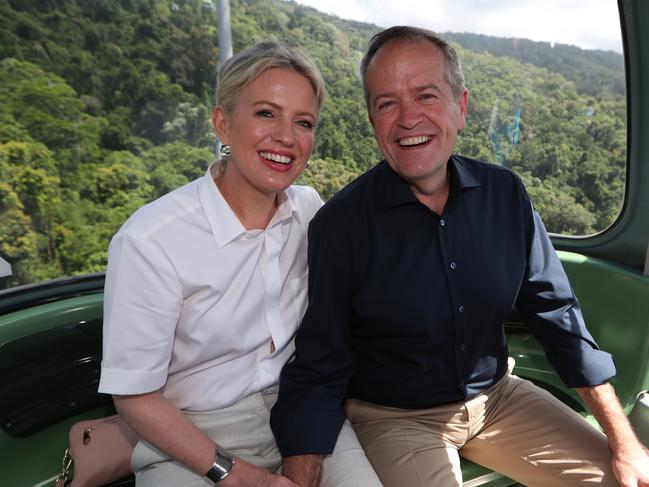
(553, 315)
(630, 457)
(308, 414)
(304, 470)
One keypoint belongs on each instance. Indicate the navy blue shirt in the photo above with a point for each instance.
(406, 307)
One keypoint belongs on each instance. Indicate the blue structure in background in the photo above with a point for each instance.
(503, 135)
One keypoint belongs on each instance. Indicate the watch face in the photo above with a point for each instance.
(223, 463)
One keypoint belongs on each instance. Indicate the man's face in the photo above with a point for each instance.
(413, 110)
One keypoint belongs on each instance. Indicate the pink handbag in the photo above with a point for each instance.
(99, 453)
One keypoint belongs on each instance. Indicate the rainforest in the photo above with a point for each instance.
(105, 105)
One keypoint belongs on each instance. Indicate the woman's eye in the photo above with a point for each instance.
(306, 124)
(264, 113)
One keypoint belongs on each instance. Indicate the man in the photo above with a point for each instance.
(412, 270)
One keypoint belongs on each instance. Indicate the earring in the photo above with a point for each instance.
(225, 150)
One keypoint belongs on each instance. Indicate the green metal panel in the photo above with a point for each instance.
(30, 461)
(474, 475)
(50, 315)
(616, 308)
(615, 302)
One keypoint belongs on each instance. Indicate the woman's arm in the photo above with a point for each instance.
(163, 425)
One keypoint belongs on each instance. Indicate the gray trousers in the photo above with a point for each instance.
(244, 430)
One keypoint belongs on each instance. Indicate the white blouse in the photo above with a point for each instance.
(193, 301)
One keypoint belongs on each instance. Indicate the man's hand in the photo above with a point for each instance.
(245, 474)
(630, 457)
(632, 468)
(304, 470)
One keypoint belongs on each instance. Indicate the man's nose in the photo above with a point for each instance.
(409, 115)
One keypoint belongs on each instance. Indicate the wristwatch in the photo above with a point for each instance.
(223, 463)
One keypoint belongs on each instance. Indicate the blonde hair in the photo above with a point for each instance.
(247, 65)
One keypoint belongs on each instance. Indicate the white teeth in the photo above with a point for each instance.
(414, 140)
(275, 157)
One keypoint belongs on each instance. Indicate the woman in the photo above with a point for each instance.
(206, 286)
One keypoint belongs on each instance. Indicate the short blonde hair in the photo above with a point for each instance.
(247, 65)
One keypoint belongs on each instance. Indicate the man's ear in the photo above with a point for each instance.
(464, 106)
(221, 123)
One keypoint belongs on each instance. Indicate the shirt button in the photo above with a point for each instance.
(462, 346)
(460, 309)
(453, 265)
(442, 222)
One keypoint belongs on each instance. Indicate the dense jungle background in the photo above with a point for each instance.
(104, 106)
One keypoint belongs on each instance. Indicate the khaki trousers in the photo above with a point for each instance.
(514, 428)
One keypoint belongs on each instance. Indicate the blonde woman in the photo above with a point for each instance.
(206, 287)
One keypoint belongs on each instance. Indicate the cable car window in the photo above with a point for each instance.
(547, 96)
(105, 106)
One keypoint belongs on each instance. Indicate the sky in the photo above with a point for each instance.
(589, 24)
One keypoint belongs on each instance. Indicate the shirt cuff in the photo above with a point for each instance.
(594, 367)
(125, 382)
(308, 433)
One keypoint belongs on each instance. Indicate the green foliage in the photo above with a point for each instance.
(174, 165)
(105, 105)
(18, 241)
(593, 72)
(327, 176)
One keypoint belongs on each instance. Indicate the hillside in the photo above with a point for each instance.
(593, 72)
(104, 105)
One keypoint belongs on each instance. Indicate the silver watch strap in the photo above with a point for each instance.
(223, 464)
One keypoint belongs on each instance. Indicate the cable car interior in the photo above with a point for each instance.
(50, 332)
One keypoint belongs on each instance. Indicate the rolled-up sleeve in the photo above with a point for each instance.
(551, 309)
(142, 303)
(309, 412)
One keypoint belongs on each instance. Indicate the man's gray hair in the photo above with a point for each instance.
(405, 34)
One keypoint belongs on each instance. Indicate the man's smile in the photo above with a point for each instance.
(414, 141)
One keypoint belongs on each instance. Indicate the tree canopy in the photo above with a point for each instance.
(105, 105)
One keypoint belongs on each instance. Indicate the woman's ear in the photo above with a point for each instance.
(221, 123)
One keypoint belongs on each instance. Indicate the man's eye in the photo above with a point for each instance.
(385, 104)
(428, 96)
(264, 113)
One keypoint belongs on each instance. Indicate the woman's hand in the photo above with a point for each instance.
(245, 474)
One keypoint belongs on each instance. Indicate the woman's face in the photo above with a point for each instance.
(270, 131)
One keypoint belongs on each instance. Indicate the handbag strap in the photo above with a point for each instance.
(66, 464)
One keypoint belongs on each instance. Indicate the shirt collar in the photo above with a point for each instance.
(394, 191)
(465, 178)
(223, 222)
(286, 209)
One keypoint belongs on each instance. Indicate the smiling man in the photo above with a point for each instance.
(413, 269)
